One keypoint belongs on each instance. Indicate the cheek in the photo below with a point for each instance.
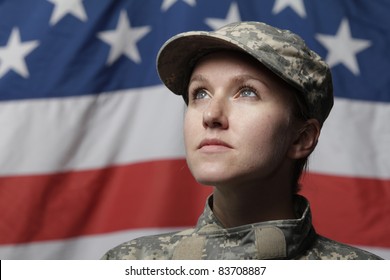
(191, 121)
(271, 134)
(192, 126)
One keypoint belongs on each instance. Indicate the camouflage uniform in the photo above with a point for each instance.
(209, 240)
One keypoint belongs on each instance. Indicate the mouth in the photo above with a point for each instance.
(213, 145)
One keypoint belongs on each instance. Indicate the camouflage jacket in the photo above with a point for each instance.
(281, 239)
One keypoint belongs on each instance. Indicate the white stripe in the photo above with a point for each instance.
(50, 135)
(355, 141)
(94, 247)
(43, 136)
(91, 247)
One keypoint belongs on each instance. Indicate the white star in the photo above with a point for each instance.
(296, 5)
(168, 3)
(233, 15)
(123, 40)
(64, 7)
(342, 48)
(12, 56)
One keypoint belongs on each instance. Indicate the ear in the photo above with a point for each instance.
(306, 140)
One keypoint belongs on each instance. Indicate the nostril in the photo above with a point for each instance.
(214, 115)
(220, 122)
(216, 124)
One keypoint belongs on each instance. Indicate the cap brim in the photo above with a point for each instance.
(177, 57)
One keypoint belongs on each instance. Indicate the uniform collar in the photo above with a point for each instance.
(276, 239)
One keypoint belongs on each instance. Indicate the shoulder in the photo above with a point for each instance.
(151, 247)
(326, 249)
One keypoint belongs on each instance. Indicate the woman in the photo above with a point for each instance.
(256, 100)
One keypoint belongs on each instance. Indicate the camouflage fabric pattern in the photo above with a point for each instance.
(209, 240)
(281, 51)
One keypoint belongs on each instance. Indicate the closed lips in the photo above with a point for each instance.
(213, 142)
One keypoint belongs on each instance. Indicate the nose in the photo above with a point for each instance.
(215, 114)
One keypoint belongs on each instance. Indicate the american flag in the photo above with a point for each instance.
(91, 150)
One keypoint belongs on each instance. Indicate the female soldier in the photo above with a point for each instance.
(256, 100)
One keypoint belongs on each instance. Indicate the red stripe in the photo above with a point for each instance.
(350, 210)
(163, 194)
(153, 194)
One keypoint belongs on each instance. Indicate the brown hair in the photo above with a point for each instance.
(301, 112)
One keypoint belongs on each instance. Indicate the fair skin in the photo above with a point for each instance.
(241, 137)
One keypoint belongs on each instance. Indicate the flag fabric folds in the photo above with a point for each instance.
(91, 149)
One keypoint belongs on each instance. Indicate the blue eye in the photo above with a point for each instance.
(248, 92)
(201, 94)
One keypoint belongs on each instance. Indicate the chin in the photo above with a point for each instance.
(213, 179)
(211, 174)
(206, 177)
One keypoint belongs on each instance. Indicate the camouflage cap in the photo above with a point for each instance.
(281, 51)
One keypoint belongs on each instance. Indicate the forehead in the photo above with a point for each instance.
(219, 62)
(244, 67)
(240, 63)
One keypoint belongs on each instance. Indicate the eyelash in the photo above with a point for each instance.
(249, 88)
(196, 91)
(244, 87)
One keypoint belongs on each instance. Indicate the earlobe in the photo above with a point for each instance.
(306, 140)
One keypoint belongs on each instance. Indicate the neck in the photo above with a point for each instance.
(240, 205)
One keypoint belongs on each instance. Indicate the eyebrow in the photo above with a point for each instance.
(236, 79)
(198, 78)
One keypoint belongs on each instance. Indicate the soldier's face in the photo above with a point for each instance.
(238, 125)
